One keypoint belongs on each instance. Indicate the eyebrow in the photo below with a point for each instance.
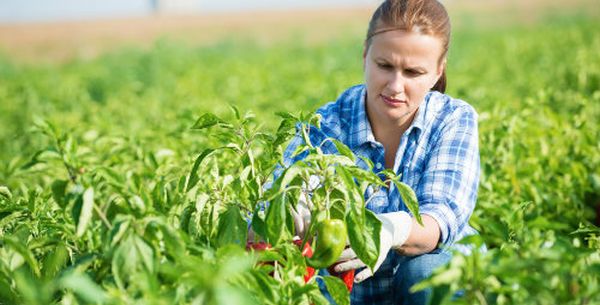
(378, 59)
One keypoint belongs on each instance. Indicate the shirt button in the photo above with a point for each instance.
(378, 165)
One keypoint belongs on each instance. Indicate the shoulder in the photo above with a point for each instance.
(335, 115)
(344, 103)
(443, 110)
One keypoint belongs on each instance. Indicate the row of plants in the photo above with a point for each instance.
(131, 178)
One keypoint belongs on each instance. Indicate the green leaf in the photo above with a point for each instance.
(145, 253)
(137, 203)
(350, 188)
(85, 214)
(119, 229)
(55, 261)
(193, 176)
(233, 296)
(343, 149)
(286, 115)
(84, 287)
(30, 289)
(262, 284)
(185, 217)
(289, 175)
(258, 224)
(5, 192)
(235, 111)
(276, 220)
(409, 198)
(206, 120)
(232, 228)
(24, 251)
(363, 232)
(131, 257)
(337, 289)
(7, 293)
(317, 298)
(58, 191)
(338, 206)
(449, 275)
(367, 161)
(439, 294)
(364, 175)
(170, 237)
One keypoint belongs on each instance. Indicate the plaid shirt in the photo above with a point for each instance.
(438, 158)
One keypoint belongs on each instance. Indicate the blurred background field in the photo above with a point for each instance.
(128, 88)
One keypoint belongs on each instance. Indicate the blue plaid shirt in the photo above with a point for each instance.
(438, 158)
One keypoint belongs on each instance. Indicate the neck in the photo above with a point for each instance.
(384, 131)
(389, 134)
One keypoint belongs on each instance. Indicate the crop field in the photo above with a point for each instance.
(129, 177)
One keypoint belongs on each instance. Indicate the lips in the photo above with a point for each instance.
(392, 101)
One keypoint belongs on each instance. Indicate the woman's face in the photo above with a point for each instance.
(400, 68)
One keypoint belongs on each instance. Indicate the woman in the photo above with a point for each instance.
(401, 119)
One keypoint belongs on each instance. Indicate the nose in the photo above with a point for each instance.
(396, 83)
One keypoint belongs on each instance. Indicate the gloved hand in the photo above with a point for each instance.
(395, 229)
(301, 213)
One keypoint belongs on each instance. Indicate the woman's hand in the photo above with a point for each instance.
(395, 229)
(301, 214)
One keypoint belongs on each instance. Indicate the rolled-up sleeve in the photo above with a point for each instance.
(447, 190)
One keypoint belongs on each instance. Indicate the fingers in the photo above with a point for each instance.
(304, 205)
(301, 215)
(349, 261)
(349, 265)
(363, 275)
(347, 254)
(354, 264)
(251, 235)
(299, 225)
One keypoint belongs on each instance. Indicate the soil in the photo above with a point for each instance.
(61, 41)
(64, 40)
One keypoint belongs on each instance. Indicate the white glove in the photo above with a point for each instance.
(301, 213)
(395, 228)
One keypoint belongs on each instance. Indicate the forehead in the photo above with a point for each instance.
(406, 46)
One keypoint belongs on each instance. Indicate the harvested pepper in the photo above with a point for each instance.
(330, 242)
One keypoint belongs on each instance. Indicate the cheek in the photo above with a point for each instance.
(374, 77)
(370, 77)
(417, 89)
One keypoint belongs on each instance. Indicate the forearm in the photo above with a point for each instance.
(422, 239)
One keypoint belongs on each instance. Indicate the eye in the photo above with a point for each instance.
(384, 66)
(413, 72)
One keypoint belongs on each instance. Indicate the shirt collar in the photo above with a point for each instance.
(360, 128)
(418, 124)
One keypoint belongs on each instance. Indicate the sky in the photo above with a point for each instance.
(23, 11)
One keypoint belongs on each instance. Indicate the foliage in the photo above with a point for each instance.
(129, 179)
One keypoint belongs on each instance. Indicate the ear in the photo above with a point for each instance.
(441, 68)
(364, 55)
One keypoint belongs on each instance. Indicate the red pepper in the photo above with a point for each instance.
(306, 252)
(346, 276)
(259, 246)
